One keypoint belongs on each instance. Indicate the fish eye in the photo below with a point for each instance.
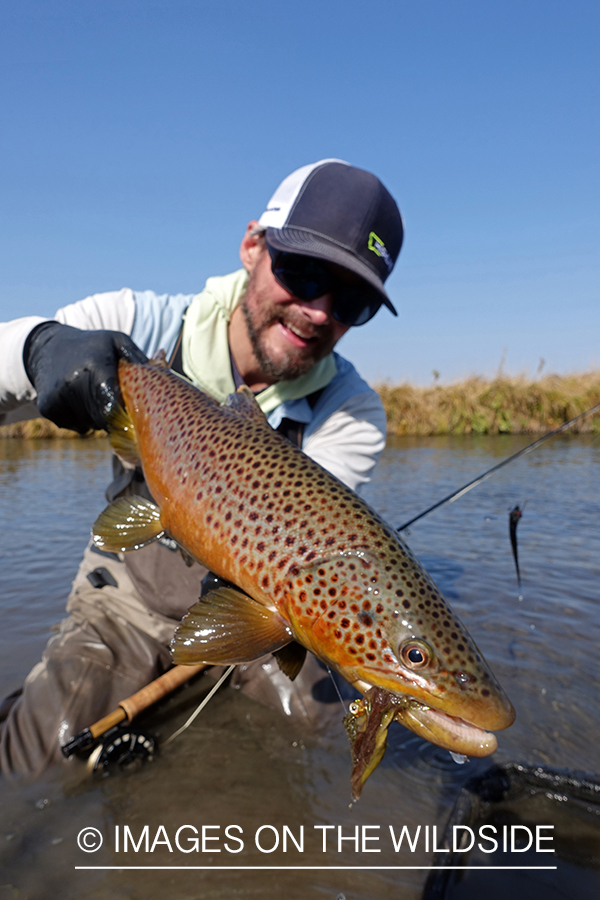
(415, 654)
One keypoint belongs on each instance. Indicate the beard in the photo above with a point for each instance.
(260, 313)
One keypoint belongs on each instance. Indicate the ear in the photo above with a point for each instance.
(252, 247)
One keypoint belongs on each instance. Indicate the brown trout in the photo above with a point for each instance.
(313, 565)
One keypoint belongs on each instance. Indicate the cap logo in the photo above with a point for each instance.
(378, 247)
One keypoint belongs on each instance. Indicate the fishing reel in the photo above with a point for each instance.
(122, 748)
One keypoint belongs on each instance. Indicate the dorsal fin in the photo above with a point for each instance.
(159, 359)
(244, 403)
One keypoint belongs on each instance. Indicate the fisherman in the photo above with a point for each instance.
(314, 265)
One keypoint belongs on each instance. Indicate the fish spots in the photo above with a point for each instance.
(262, 501)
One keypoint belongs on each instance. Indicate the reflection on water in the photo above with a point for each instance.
(245, 765)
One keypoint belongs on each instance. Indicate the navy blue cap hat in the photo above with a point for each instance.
(336, 212)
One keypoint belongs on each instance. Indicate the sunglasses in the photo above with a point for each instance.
(308, 278)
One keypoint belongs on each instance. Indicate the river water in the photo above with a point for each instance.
(243, 765)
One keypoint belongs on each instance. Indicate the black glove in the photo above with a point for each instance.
(74, 372)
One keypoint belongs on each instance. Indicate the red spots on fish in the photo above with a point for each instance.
(263, 514)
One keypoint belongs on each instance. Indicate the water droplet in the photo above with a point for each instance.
(459, 758)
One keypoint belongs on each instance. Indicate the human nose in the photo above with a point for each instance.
(318, 311)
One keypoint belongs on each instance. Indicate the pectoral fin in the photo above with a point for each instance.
(228, 627)
(121, 434)
(127, 524)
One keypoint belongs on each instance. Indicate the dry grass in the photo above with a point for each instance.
(42, 428)
(502, 405)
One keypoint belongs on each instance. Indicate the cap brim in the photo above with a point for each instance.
(307, 243)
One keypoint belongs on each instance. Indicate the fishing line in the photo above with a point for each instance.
(471, 484)
(337, 690)
(197, 711)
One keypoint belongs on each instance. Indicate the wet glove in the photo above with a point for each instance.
(74, 372)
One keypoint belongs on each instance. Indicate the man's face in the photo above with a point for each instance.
(288, 335)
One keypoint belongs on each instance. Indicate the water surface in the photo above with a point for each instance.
(241, 764)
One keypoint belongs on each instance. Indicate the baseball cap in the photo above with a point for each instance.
(336, 212)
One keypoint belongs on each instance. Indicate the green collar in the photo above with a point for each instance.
(205, 347)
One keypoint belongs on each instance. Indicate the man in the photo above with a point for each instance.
(314, 265)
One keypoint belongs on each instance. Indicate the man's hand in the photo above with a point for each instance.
(74, 372)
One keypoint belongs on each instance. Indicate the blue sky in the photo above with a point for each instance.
(138, 137)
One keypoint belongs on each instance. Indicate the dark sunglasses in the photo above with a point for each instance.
(308, 278)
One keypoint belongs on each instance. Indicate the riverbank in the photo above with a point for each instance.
(42, 428)
(502, 405)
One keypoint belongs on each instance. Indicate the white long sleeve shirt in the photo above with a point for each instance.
(344, 432)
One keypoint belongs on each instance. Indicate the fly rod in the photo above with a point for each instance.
(471, 484)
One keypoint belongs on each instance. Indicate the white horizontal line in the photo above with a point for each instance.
(313, 868)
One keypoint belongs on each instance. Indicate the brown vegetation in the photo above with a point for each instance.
(502, 405)
(42, 428)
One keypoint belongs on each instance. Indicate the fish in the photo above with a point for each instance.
(514, 517)
(308, 565)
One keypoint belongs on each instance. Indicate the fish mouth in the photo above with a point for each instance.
(450, 732)
(441, 728)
